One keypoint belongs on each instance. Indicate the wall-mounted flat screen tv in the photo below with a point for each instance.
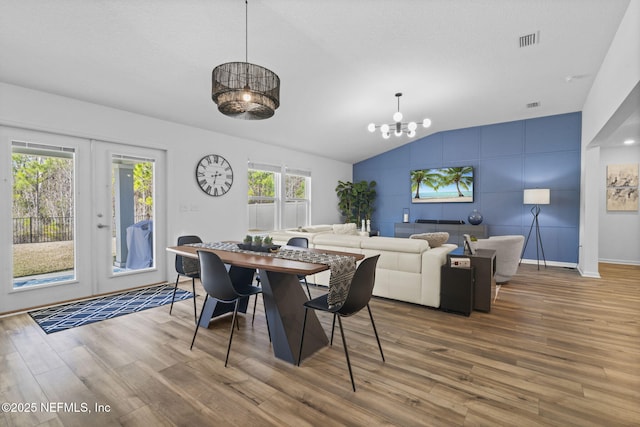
(442, 185)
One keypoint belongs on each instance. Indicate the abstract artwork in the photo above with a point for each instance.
(622, 187)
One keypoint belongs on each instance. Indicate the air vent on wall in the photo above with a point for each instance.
(533, 104)
(530, 39)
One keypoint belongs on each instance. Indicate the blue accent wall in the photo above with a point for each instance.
(507, 158)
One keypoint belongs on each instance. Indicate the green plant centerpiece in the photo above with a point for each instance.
(268, 241)
(257, 241)
(356, 200)
(248, 239)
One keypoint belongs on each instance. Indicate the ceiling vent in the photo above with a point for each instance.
(533, 104)
(530, 39)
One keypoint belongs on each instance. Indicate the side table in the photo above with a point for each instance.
(456, 289)
(484, 264)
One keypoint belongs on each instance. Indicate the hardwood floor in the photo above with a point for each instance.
(556, 349)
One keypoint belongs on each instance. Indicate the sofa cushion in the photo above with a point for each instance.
(348, 228)
(394, 244)
(434, 239)
(315, 228)
(340, 240)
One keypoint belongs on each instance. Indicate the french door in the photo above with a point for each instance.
(109, 234)
(128, 215)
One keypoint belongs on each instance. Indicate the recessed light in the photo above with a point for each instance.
(629, 142)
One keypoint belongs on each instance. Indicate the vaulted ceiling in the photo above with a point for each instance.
(458, 62)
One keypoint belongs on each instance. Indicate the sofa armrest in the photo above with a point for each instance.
(432, 260)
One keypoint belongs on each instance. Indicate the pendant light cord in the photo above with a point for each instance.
(246, 31)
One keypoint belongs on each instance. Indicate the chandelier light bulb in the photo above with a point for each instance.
(246, 96)
(385, 135)
(398, 133)
(371, 127)
(385, 129)
(411, 133)
(397, 116)
(412, 126)
(426, 123)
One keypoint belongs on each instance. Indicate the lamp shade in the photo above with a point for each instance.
(537, 196)
(245, 91)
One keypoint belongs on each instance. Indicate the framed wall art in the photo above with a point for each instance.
(622, 187)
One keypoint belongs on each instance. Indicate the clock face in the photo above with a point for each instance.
(214, 175)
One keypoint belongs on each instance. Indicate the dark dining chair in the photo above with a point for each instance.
(187, 267)
(358, 297)
(299, 242)
(217, 283)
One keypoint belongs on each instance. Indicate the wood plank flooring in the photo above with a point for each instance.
(555, 350)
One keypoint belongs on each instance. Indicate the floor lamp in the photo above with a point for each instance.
(536, 197)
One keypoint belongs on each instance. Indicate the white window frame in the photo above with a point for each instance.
(280, 199)
(307, 196)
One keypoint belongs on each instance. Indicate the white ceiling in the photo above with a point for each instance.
(340, 62)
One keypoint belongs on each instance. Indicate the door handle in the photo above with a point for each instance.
(103, 226)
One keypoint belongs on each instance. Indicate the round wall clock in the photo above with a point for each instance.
(214, 175)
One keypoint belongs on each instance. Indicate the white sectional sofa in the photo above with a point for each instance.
(408, 269)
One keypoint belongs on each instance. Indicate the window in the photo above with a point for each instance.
(297, 200)
(264, 182)
(268, 209)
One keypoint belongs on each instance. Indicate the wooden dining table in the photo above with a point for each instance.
(282, 294)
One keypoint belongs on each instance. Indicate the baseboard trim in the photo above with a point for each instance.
(618, 261)
(551, 263)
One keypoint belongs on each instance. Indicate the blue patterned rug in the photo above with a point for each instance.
(61, 317)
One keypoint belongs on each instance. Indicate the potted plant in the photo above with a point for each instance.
(356, 200)
(268, 241)
(257, 241)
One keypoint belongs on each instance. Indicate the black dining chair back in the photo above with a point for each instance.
(358, 297)
(218, 284)
(187, 267)
(361, 288)
(301, 242)
(215, 277)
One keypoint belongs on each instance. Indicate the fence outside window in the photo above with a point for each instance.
(42, 229)
(46, 229)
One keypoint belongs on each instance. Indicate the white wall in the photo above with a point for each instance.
(616, 79)
(190, 210)
(619, 231)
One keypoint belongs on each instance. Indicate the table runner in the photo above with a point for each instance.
(342, 267)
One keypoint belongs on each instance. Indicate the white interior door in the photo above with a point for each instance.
(128, 216)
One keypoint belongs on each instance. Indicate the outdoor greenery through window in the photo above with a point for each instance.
(268, 209)
(43, 212)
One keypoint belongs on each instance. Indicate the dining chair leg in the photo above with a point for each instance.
(375, 331)
(307, 285)
(304, 323)
(333, 328)
(195, 310)
(198, 322)
(255, 302)
(235, 312)
(346, 353)
(175, 288)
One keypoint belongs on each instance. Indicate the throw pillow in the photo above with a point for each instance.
(434, 239)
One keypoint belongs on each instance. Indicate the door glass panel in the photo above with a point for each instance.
(132, 213)
(43, 214)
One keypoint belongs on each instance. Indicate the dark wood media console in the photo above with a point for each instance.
(456, 231)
